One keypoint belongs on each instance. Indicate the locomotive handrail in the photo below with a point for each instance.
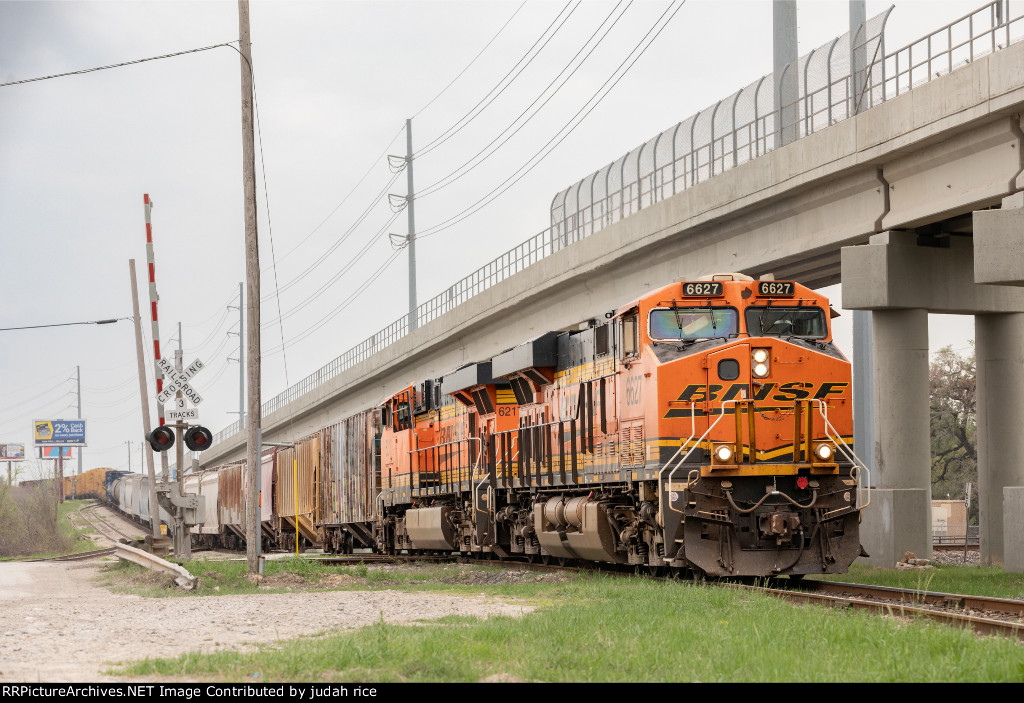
(693, 423)
(693, 431)
(476, 506)
(863, 489)
(446, 444)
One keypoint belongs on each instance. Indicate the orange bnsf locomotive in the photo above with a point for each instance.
(705, 426)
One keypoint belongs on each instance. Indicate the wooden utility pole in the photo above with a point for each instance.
(252, 278)
(139, 354)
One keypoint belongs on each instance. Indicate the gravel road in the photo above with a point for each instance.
(57, 626)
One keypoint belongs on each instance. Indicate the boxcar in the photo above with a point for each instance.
(349, 482)
(296, 499)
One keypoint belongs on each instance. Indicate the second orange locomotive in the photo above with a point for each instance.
(704, 426)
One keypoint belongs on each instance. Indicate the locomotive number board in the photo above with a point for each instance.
(703, 289)
(779, 289)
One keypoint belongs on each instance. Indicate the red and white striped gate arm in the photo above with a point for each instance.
(153, 297)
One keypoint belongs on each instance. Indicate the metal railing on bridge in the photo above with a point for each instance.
(828, 85)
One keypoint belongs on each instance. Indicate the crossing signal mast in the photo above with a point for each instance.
(185, 508)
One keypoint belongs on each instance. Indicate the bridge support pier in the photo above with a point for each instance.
(999, 349)
(1013, 509)
(999, 259)
(899, 517)
(902, 277)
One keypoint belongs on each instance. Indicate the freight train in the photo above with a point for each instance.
(704, 427)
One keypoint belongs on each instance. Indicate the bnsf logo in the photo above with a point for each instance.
(794, 390)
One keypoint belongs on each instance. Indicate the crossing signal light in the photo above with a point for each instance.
(198, 438)
(161, 439)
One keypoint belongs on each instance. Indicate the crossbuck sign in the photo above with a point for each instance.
(178, 381)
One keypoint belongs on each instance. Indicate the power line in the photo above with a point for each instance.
(115, 65)
(337, 276)
(8, 409)
(337, 243)
(479, 54)
(8, 393)
(566, 130)
(456, 175)
(194, 325)
(491, 95)
(343, 200)
(348, 301)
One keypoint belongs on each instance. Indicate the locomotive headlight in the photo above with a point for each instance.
(760, 358)
(723, 453)
(824, 452)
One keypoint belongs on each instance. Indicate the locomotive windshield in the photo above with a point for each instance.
(786, 322)
(670, 324)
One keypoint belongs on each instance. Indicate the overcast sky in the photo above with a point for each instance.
(335, 82)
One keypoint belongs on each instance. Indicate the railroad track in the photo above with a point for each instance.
(102, 524)
(81, 556)
(982, 614)
(381, 558)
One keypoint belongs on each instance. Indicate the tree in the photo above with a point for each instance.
(953, 393)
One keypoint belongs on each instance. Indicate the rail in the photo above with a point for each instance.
(830, 84)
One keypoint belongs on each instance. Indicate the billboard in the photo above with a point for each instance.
(12, 452)
(59, 433)
(51, 452)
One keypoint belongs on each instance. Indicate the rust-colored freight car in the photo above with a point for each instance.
(349, 482)
(297, 497)
(231, 504)
(232, 499)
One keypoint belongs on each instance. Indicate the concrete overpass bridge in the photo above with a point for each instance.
(902, 177)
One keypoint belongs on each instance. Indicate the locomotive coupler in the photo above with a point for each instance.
(778, 525)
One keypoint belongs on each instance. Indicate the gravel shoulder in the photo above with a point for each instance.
(56, 625)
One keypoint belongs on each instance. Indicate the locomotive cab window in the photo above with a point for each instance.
(630, 336)
(674, 324)
(779, 321)
(403, 418)
(602, 340)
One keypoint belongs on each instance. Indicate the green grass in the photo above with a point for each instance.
(81, 543)
(222, 577)
(598, 628)
(967, 580)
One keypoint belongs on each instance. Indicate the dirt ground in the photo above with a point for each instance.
(56, 625)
